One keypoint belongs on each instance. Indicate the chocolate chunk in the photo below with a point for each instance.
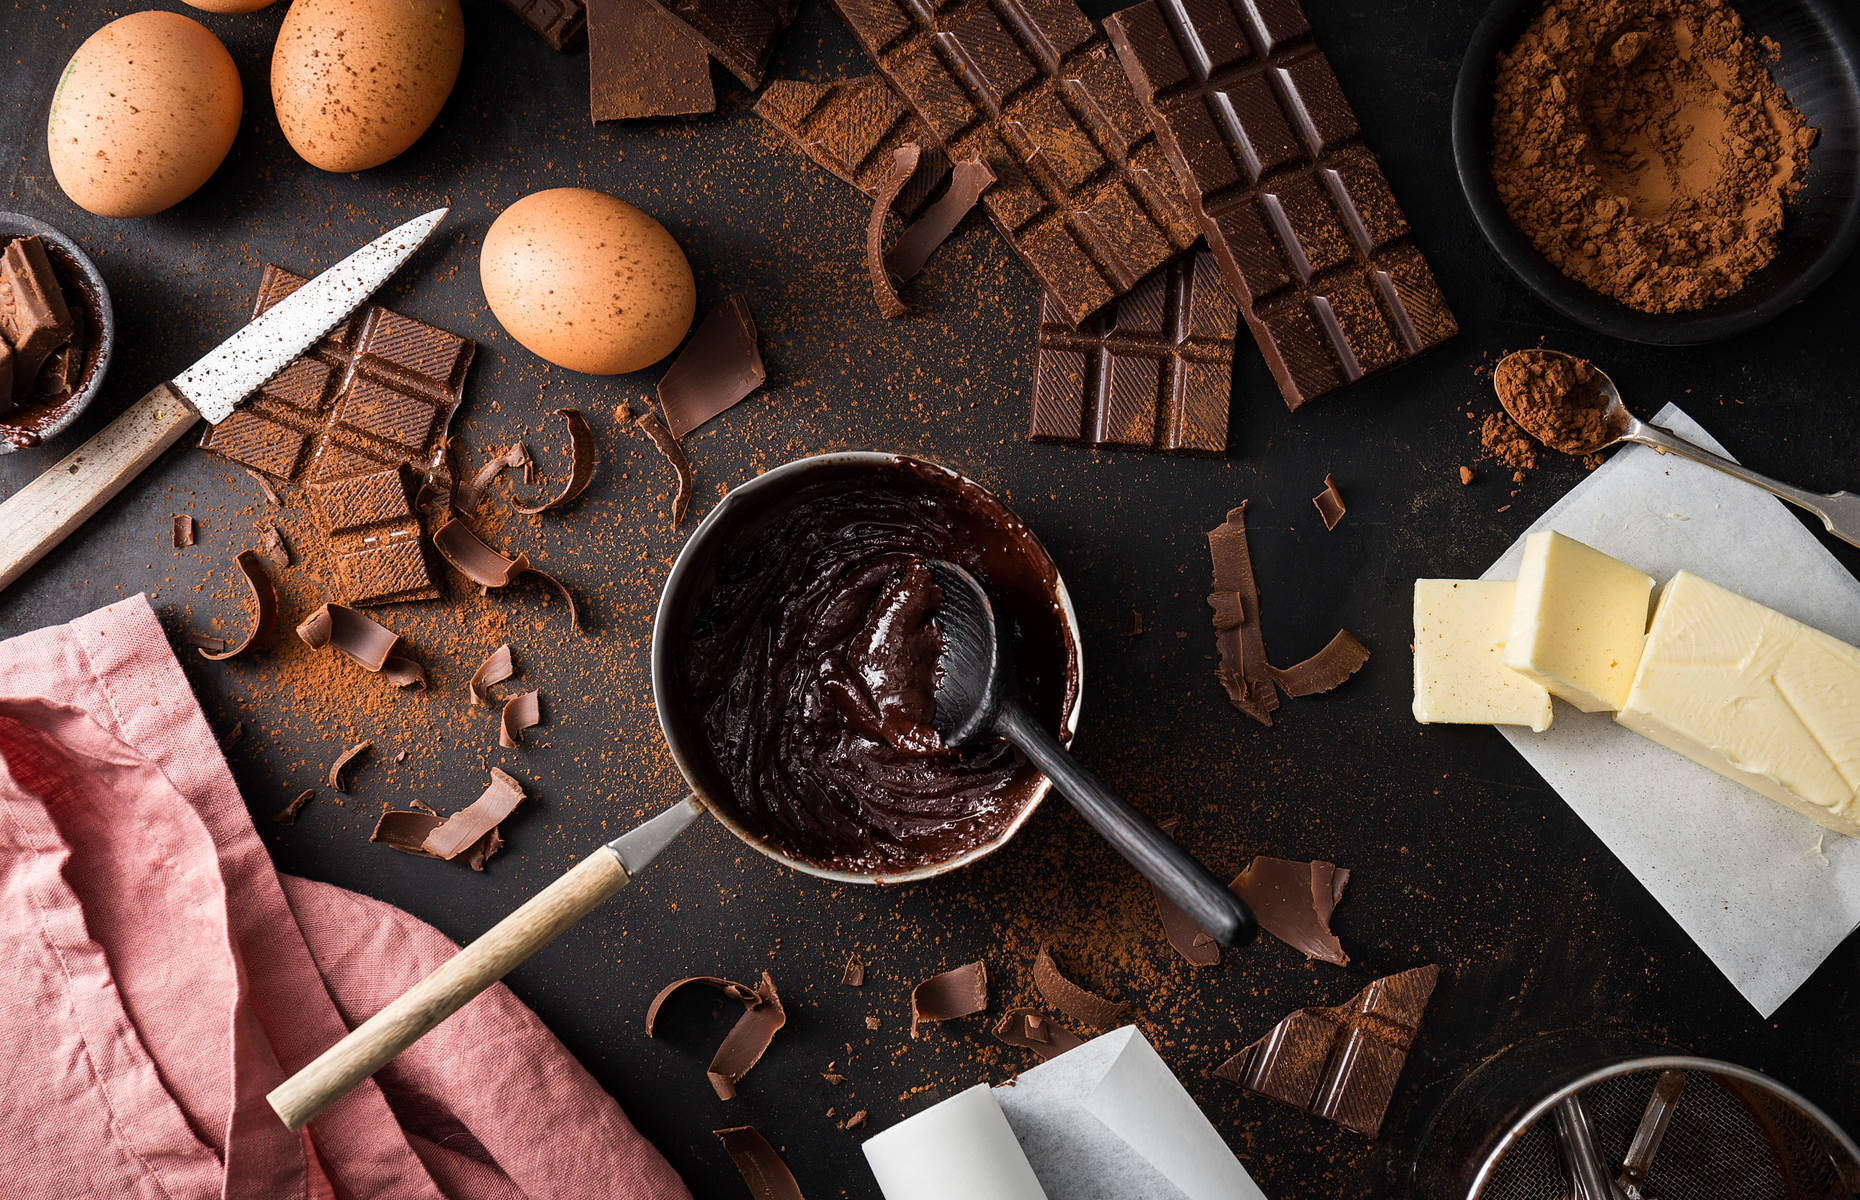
(762, 1017)
(851, 127)
(346, 420)
(469, 825)
(1133, 624)
(362, 638)
(643, 63)
(1244, 671)
(916, 244)
(762, 1169)
(494, 669)
(344, 759)
(854, 975)
(1189, 940)
(1293, 205)
(903, 166)
(650, 425)
(958, 992)
(465, 496)
(1084, 195)
(489, 569)
(34, 318)
(288, 814)
(183, 531)
(740, 34)
(1154, 371)
(1030, 1029)
(520, 712)
(718, 367)
(581, 464)
(1339, 1063)
(1341, 658)
(264, 605)
(560, 22)
(1329, 503)
(1293, 901)
(1069, 998)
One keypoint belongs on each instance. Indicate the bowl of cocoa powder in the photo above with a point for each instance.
(1665, 171)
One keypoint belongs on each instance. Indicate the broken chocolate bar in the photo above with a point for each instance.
(1154, 371)
(958, 992)
(1293, 901)
(560, 22)
(1085, 195)
(34, 318)
(1329, 503)
(643, 63)
(740, 34)
(718, 367)
(850, 127)
(183, 531)
(1292, 203)
(1339, 1063)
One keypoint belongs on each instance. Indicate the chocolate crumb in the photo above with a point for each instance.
(856, 1120)
(1329, 503)
(1466, 475)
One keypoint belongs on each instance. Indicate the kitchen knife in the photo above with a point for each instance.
(47, 510)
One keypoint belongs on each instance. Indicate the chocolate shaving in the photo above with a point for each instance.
(1188, 938)
(183, 531)
(648, 423)
(494, 669)
(422, 805)
(958, 992)
(489, 569)
(348, 756)
(718, 367)
(744, 1045)
(264, 599)
(854, 975)
(917, 243)
(1329, 503)
(1029, 1028)
(207, 641)
(470, 824)
(903, 166)
(1293, 902)
(483, 849)
(857, 1120)
(520, 712)
(833, 1077)
(406, 831)
(465, 496)
(762, 1169)
(1336, 662)
(288, 814)
(264, 485)
(364, 639)
(581, 469)
(231, 735)
(1069, 998)
(274, 547)
(1133, 624)
(1243, 670)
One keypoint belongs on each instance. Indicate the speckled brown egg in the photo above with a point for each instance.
(230, 6)
(587, 281)
(356, 82)
(145, 111)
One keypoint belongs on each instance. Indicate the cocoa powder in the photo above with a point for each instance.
(1500, 435)
(1556, 398)
(1644, 149)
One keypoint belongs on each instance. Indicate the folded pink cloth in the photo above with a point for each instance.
(161, 977)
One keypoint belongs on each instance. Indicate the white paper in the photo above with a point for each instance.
(1726, 862)
(962, 1147)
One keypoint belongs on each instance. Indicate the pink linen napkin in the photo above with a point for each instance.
(161, 977)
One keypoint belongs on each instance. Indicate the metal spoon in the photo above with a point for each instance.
(1840, 512)
(978, 699)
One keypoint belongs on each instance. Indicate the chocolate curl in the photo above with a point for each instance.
(718, 367)
(466, 495)
(581, 469)
(273, 545)
(231, 735)
(344, 759)
(1029, 1029)
(1087, 1008)
(488, 569)
(903, 166)
(747, 1040)
(1243, 670)
(264, 601)
(288, 814)
(520, 712)
(494, 669)
(470, 824)
(1336, 662)
(406, 831)
(916, 244)
(674, 454)
(264, 485)
(1330, 503)
(364, 639)
(1293, 901)
(762, 1169)
(1187, 937)
(183, 531)
(959, 992)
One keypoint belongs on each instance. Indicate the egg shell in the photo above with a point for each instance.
(356, 82)
(230, 6)
(144, 113)
(587, 281)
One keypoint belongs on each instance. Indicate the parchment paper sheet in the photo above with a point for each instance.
(1727, 863)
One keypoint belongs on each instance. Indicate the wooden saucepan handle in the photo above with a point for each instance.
(45, 511)
(403, 1022)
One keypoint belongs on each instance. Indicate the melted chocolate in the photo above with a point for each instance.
(810, 666)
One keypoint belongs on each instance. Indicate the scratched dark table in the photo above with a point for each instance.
(1460, 854)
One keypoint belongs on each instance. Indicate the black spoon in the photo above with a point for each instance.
(978, 698)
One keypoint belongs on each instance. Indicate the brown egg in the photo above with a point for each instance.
(356, 82)
(230, 6)
(587, 281)
(145, 111)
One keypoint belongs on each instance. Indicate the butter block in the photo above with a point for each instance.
(1460, 627)
(1756, 696)
(1578, 621)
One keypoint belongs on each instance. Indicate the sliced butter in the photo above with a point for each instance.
(1578, 621)
(1755, 696)
(1459, 635)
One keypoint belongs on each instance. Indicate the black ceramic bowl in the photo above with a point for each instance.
(41, 418)
(1820, 71)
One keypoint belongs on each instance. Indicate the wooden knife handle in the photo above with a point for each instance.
(45, 511)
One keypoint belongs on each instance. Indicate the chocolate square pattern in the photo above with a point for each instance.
(850, 127)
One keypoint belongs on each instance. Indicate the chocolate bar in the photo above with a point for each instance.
(346, 420)
(740, 34)
(560, 22)
(1152, 372)
(1083, 193)
(850, 127)
(643, 63)
(1293, 204)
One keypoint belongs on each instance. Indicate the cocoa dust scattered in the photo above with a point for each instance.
(1500, 435)
(1644, 149)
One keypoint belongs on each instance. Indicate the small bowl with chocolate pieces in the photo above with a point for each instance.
(57, 331)
(1665, 171)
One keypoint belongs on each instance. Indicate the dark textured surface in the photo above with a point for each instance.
(1460, 855)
